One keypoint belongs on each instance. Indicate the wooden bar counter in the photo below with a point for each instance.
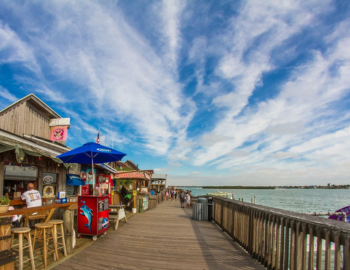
(68, 218)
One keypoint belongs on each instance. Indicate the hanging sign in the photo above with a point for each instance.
(130, 175)
(48, 179)
(58, 133)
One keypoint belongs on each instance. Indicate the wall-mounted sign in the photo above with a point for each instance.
(130, 175)
(49, 192)
(74, 169)
(23, 171)
(48, 179)
(58, 133)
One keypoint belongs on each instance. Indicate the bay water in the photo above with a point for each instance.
(297, 200)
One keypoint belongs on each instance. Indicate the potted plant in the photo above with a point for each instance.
(4, 204)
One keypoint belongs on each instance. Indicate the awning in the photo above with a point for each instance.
(74, 180)
(108, 168)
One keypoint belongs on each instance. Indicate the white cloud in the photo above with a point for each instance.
(171, 15)
(195, 173)
(7, 95)
(116, 69)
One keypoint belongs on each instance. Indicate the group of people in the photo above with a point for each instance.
(170, 194)
(185, 198)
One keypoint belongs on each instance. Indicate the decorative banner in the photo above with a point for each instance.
(89, 179)
(130, 175)
(58, 133)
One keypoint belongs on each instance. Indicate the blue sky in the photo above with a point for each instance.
(209, 92)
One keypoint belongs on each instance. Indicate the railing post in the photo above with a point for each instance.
(292, 245)
(286, 245)
(346, 254)
(311, 247)
(328, 251)
(222, 214)
(304, 243)
(336, 251)
(319, 249)
(273, 244)
(298, 246)
(282, 244)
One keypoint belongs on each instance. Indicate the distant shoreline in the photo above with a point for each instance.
(237, 187)
(271, 187)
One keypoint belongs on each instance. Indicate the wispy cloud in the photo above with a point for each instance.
(7, 95)
(251, 89)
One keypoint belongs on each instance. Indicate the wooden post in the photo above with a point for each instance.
(5, 244)
(40, 179)
(346, 254)
(2, 176)
(298, 247)
(68, 223)
(282, 244)
(286, 246)
(328, 251)
(319, 249)
(304, 247)
(273, 246)
(266, 223)
(337, 252)
(312, 248)
(292, 245)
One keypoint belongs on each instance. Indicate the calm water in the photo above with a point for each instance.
(298, 200)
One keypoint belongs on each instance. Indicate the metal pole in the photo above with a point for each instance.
(93, 177)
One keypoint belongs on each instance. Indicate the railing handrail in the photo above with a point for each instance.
(282, 239)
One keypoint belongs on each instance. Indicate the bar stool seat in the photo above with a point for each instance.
(55, 223)
(20, 232)
(44, 233)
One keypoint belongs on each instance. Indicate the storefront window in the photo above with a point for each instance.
(16, 179)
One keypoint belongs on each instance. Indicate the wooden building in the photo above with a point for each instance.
(28, 149)
(158, 182)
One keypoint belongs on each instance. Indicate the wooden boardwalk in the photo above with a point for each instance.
(163, 238)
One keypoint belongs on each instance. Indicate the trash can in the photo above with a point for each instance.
(210, 208)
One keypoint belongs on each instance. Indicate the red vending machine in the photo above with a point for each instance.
(105, 183)
(93, 215)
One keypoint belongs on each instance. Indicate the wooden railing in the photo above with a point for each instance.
(281, 239)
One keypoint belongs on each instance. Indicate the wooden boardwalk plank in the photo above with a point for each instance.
(163, 238)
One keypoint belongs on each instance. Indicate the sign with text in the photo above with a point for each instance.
(132, 175)
(58, 133)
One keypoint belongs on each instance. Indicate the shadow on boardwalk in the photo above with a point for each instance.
(163, 238)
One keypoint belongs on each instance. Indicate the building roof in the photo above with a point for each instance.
(159, 177)
(35, 100)
(131, 165)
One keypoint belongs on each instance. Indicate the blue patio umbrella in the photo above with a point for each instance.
(91, 153)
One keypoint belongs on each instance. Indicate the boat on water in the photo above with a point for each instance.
(345, 210)
(227, 195)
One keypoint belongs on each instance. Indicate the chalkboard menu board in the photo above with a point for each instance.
(103, 205)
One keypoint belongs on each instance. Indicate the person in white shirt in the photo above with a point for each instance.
(31, 196)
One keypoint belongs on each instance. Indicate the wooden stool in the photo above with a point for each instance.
(41, 235)
(20, 232)
(57, 236)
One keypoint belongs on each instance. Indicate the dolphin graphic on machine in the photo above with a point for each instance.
(87, 212)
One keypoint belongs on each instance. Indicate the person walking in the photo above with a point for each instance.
(182, 199)
(175, 194)
(166, 195)
(188, 200)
